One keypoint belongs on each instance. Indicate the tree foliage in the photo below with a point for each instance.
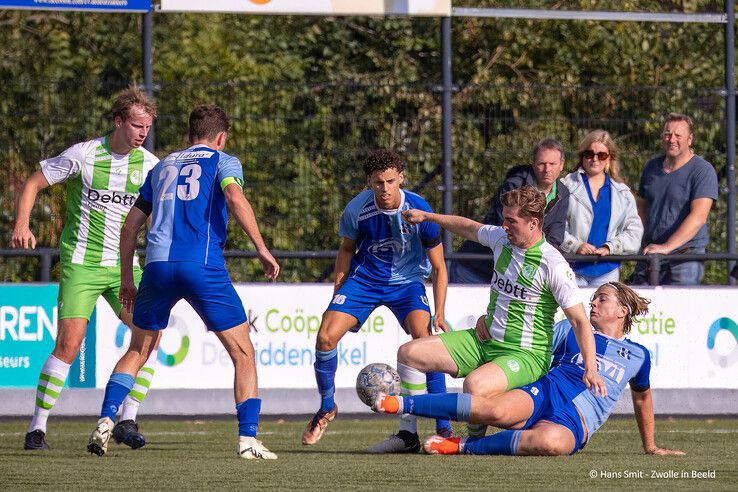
(309, 97)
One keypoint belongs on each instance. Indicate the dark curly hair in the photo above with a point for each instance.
(383, 159)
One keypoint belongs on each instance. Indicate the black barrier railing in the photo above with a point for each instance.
(48, 255)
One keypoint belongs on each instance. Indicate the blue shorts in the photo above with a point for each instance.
(359, 299)
(551, 404)
(208, 290)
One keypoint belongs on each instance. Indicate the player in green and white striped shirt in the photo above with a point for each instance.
(102, 177)
(511, 344)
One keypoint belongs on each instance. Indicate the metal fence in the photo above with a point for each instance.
(301, 145)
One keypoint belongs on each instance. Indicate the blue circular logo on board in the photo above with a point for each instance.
(722, 324)
(163, 357)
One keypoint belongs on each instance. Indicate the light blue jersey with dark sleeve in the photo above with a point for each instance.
(619, 362)
(189, 212)
(389, 251)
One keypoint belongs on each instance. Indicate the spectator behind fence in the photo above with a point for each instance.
(676, 193)
(548, 162)
(603, 218)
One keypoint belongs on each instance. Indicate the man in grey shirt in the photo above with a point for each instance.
(676, 193)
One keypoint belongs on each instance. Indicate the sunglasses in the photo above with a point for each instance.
(590, 154)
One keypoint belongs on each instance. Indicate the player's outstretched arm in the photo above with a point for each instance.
(134, 220)
(440, 286)
(244, 214)
(577, 316)
(643, 409)
(461, 226)
(22, 237)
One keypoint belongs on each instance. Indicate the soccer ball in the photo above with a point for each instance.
(375, 378)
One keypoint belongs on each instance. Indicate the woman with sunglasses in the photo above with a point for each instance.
(602, 218)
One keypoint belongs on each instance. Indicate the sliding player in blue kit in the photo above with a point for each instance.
(188, 196)
(382, 260)
(557, 414)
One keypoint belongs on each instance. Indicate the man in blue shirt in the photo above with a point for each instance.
(188, 195)
(382, 260)
(557, 414)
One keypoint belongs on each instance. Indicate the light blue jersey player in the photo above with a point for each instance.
(382, 260)
(389, 251)
(557, 414)
(188, 196)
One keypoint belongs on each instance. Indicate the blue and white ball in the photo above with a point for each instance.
(375, 378)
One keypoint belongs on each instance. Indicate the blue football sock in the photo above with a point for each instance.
(456, 406)
(504, 442)
(436, 383)
(326, 364)
(119, 385)
(248, 416)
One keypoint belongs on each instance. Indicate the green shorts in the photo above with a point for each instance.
(520, 366)
(80, 286)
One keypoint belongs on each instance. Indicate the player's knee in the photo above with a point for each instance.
(408, 354)
(544, 444)
(473, 385)
(241, 355)
(66, 349)
(140, 358)
(478, 385)
(417, 329)
(325, 341)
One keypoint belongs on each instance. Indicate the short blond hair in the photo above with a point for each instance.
(130, 97)
(530, 201)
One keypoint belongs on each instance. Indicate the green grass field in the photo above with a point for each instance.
(200, 454)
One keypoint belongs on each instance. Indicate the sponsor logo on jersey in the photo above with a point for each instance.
(504, 284)
(108, 196)
(381, 249)
(513, 365)
(199, 154)
(136, 177)
(534, 390)
(605, 367)
(624, 353)
(528, 271)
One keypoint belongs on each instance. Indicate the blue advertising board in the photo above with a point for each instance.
(28, 328)
(93, 5)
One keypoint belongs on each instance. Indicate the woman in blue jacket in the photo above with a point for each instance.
(602, 217)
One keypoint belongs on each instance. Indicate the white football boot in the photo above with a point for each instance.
(252, 449)
(98, 443)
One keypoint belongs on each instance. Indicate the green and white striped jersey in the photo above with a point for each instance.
(527, 287)
(101, 188)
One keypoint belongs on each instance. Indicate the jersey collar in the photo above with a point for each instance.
(391, 211)
(608, 336)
